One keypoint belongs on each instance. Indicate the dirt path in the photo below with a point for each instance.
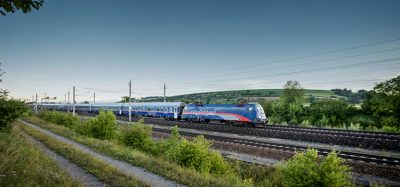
(72, 169)
(136, 172)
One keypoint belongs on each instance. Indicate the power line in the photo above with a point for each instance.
(304, 71)
(314, 55)
(306, 63)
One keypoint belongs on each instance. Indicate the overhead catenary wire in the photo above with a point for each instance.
(301, 64)
(305, 56)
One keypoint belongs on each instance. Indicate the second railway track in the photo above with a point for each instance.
(389, 142)
(260, 144)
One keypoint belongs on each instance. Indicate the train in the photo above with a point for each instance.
(250, 114)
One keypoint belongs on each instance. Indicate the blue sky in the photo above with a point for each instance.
(197, 46)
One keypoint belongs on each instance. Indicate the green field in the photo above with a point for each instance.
(234, 96)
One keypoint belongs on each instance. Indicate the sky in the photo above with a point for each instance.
(197, 46)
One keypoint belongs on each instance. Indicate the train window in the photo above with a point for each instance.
(148, 109)
(259, 110)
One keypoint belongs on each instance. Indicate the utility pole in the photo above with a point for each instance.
(165, 87)
(45, 96)
(65, 98)
(36, 105)
(68, 107)
(130, 91)
(73, 101)
(94, 97)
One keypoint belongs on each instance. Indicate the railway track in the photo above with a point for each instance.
(366, 134)
(380, 141)
(260, 144)
(368, 141)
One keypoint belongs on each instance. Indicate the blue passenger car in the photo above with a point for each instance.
(116, 108)
(168, 110)
(249, 114)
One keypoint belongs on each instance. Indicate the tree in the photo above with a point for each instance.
(125, 99)
(390, 87)
(11, 6)
(383, 103)
(293, 92)
(1, 73)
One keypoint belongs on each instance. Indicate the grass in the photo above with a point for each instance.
(103, 171)
(157, 165)
(24, 165)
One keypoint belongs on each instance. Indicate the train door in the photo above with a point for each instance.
(175, 112)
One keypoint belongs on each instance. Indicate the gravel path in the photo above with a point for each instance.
(136, 172)
(72, 169)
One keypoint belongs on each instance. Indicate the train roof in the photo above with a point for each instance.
(167, 104)
(173, 104)
(224, 105)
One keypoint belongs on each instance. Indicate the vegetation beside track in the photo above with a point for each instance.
(24, 165)
(379, 112)
(187, 162)
(156, 164)
(100, 169)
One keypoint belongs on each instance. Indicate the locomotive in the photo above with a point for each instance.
(251, 114)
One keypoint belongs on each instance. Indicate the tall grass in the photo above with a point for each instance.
(24, 165)
(103, 171)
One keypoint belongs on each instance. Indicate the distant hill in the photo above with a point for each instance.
(234, 96)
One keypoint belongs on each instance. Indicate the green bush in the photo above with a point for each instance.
(196, 154)
(390, 129)
(307, 169)
(103, 126)
(10, 110)
(366, 122)
(259, 175)
(323, 122)
(60, 118)
(139, 136)
(389, 121)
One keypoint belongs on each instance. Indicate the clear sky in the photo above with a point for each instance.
(197, 46)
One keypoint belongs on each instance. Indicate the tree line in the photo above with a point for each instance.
(380, 109)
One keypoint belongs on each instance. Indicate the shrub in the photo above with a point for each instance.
(10, 110)
(196, 154)
(138, 136)
(306, 169)
(324, 121)
(389, 121)
(364, 121)
(259, 175)
(103, 126)
(60, 118)
(390, 129)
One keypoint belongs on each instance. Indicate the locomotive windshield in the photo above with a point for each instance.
(259, 109)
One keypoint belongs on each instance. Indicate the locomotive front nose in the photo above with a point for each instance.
(261, 118)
